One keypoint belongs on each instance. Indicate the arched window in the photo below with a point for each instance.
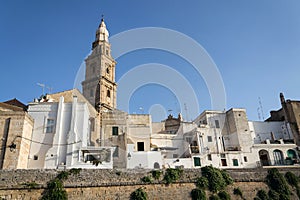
(291, 154)
(107, 70)
(278, 157)
(156, 165)
(108, 93)
(264, 157)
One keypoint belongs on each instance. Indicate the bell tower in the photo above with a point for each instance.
(99, 86)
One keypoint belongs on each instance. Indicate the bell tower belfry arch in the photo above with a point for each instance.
(99, 86)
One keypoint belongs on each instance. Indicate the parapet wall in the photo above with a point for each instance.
(119, 184)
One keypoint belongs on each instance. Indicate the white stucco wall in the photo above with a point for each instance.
(142, 159)
(262, 131)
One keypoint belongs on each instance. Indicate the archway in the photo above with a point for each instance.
(278, 157)
(156, 165)
(291, 154)
(264, 157)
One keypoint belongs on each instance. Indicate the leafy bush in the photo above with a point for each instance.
(262, 194)
(198, 194)
(277, 182)
(55, 188)
(146, 179)
(214, 197)
(292, 179)
(31, 185)
(238, 192)
(217, 179)
(172, 175)
(55, 191)
(75, 171)
(63, 175)
(226, 177)
(156, 174)
(202, 182)
(273, 195)
(138, 194)
(298, 192)
(224, 195)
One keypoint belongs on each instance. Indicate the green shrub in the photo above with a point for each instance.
(262, 194)
(226, 177)
(55, 190)
(298, 192)
(214, 197)
(238, 192)
(31, 185)
(273, 195)
(75, 171)
(198, 194)
(156, 174)
(63, 175)
(224, 195)
(138, 194)
(277, 182)
(202, 182)
(146, 179)
(216, 178)
(292, 179)
(172, 175)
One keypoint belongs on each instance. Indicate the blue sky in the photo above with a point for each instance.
(255, 45)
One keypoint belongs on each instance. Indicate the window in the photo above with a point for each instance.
(209, 138)
(245, 159)
(108, 93)
(223, 161)
(50, 126)
(209, 157)
(35, 157)
(106, 52)
(197, 162)
(107, 70)
(115, 130)
(175, 155)
(140, 146)
(223, 155)
(235, 162)
(217, 124)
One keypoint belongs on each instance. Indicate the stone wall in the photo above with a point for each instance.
(119, 184)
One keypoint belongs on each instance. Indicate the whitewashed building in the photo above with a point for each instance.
(226, 140)
(64, 133)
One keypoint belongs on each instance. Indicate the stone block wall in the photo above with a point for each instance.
(119, 184)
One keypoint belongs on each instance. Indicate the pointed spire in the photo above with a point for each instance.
(102, 34)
